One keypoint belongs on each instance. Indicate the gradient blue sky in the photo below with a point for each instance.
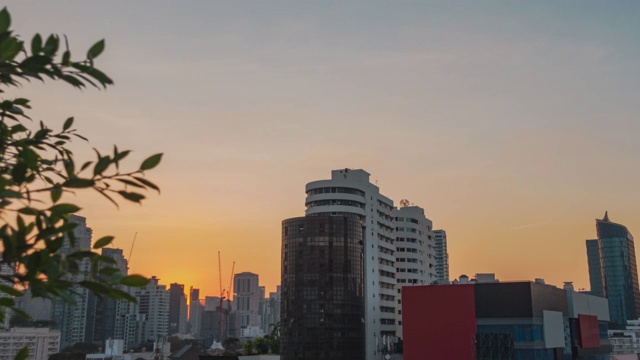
(514, 124)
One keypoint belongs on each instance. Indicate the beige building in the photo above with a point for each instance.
(41, 343)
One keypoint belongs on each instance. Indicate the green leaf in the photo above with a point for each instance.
(78, 183)
(131, 196)
(5, 20)
(66, 58)
(134, 280)
(151, 162)
(95, 50)
(62, 209)
(67, 124)
(22, 354)
(56, 193)
(11, 291)
(28, 211)
(101, 165)
(7, 302)
(147, 183)
(102, 242)
(36, 44)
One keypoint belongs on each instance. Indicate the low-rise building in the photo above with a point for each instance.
(41, 342)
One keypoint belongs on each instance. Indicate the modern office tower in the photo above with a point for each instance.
(176, 297)
(442, 256)
(106, 308)
(349, 192)
(153, 303)
(76, 321)
(323, 305)
(415, 255)
(613, 272)
(41, 342)
(247, 299)
(195, 311)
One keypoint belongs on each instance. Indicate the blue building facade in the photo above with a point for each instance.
(613, 272)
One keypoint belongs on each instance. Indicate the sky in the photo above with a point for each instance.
(513, 124)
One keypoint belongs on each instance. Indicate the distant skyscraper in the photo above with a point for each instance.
(323, 310)
(106, 308)
(247, 299)
(153, 303)
(76, 321)
(176, 299)
(442, 256)
(613, 272)
(195, 311)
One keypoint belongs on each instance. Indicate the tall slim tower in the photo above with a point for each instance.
(442, 256)
(613, 272)
(349, 192)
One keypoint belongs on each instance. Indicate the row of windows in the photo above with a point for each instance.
(335, 190)
(407, 219)
(336, 202)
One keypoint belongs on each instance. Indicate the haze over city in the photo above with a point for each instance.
(513, 125)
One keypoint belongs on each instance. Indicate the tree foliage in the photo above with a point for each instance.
(38, 172)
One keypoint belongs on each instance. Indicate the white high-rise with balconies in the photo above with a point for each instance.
(350, 192)
(415, 251)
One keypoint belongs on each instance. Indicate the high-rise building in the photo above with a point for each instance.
(415, 255)
(76, 321)
(195, 311)
(247, 299)
(613, 272)
(106, 308)
(176, 299)
(323, 311)
(271, 311)
(442, 256)
(349, 192)
(153, 302)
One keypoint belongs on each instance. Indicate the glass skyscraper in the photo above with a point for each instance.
(613, 272)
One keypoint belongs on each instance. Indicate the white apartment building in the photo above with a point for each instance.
(153, 303)
(415, 252)
(41, 343)
(350, 192)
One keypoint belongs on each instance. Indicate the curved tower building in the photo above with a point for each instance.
(322, 314)
(349, 192)
(613, 272)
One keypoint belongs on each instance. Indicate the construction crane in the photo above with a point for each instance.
(131, 251)
(225, 294)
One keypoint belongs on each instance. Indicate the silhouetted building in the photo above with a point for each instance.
(176, 299)
(323, 307)
(195, 311)
(613, 272)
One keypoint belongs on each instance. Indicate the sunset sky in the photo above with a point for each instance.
(513, 124)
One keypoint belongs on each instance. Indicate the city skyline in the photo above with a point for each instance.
(506, 123)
